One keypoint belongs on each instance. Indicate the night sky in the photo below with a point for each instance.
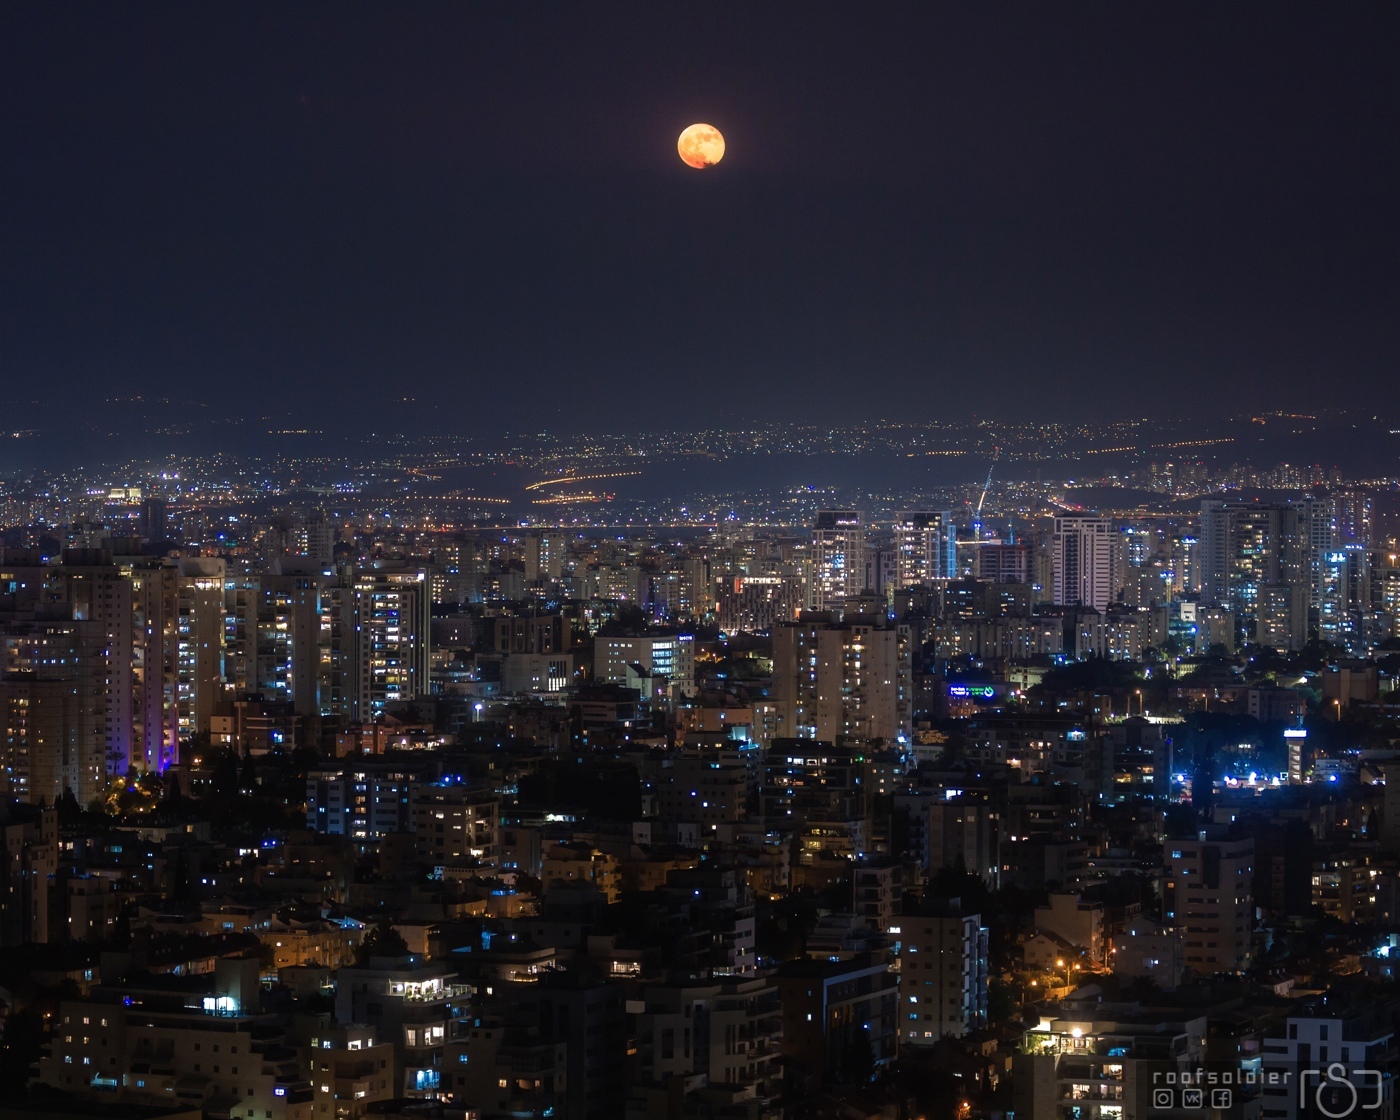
(1058, 210)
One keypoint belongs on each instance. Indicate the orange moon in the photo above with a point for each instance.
(701, 145)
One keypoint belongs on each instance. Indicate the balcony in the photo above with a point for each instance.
(1092, 1093)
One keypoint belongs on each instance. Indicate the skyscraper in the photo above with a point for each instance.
(201, 641)
(544, 556)
(1083, 562)
(1316, 516)
(391, 618)
(1004, 563)
(155, 633)
(1246, 546)
(1281, 616)
(320, 538)
(52, 714)
(291, 636)
(926, 547)
(838, 557)
(1352, 518)
(94, 589)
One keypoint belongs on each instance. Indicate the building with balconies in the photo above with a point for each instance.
(185, 1041)
(506, 1072)
(412, 1005)
(1104, 1069)
(350, 1070)
(455, 826)
(703, 1032)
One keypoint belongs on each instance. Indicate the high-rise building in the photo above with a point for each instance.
(533, 633)
(834, 680)
(838, 557)
(1385, 589)
(588, 1016)
(544, 556)
(1004, 563)
(1083, 562)
(153, 519)
(1210, 880)
(926, 547)
(834, 1009)
(349, 1071)
(87, 587)
(1352, 607)
(877, 889)
(201, 641)
(1106, 1069)
(155, 600)
(52, 711)
(365, 803)
(455, 826)
(391, 620)
(415, 1003)
(1353, 520)
(1281, 616)
(880, 568)
(755, 604)
(701, 791)
(697, 586)
(1315, 525)
(1245, 546)
(942, 972)
(320, 538)
(815, 790)
(103, 1043)
(1185, 564)
(292, 637)
(962, 831)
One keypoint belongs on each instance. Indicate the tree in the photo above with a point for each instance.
(382, 941)
(629, 619)
(20, 1050)
(224, 780)
(1001, 999)
(172, 798)
(69, 811)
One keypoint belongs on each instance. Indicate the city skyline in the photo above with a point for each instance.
(881, 605)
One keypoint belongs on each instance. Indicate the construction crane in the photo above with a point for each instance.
(977, 517)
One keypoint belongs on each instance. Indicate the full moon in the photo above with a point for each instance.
(701, 145)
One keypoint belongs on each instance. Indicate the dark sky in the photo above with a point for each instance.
(925, 210)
